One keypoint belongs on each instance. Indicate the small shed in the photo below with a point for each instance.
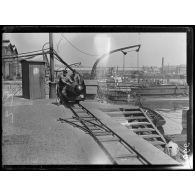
(33, 79)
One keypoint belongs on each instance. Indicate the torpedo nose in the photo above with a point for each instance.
(79, 89)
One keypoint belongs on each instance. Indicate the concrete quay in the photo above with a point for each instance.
(32, 135)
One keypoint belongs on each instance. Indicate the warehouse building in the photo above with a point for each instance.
(11, 67)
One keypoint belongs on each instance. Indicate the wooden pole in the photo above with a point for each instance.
(123, 64)
(51, 57)
(52, 85)
(138, 66)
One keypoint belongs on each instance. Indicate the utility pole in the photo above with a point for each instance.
(162, 65)
(124, 54)
(123, 64)
(138, 65)
(138, 60)
(168, 74)
(52, 84)
(163, 71)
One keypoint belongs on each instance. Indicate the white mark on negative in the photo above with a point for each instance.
(35, 71)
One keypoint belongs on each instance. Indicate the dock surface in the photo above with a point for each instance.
(32, 135)
(35, 136)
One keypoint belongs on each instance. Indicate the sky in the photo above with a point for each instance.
(89, 46)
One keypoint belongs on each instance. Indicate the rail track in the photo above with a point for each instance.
(114, 147)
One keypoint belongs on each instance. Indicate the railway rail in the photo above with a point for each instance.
(115, 148)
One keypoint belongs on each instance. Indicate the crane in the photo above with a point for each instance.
(93, 71)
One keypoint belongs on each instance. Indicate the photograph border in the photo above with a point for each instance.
(113, 29)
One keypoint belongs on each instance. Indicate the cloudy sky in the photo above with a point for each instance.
(86, 47)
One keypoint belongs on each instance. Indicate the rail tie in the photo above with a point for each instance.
(104, 136)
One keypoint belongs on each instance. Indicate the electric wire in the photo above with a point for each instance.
(58, 44)
(86, 53)
(62, 61)
(59, 58)
(58, 61)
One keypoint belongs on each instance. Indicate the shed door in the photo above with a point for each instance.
(37, 82)
(6, 70)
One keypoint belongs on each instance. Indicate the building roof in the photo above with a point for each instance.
(6, 43)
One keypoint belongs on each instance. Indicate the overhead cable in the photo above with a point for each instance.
(86, 53)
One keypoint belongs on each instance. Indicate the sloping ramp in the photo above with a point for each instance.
(138, 141)
(138, 121)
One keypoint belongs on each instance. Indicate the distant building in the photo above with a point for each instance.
(11, 67)
(175, 69)
(151, 69)
(181, 69)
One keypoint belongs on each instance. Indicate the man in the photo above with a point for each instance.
(172, 149)
(63, 80)
(75, 77)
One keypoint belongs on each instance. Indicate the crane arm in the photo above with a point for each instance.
(93, 71)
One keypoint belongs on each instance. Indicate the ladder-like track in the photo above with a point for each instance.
(140, 123)
(115, 148)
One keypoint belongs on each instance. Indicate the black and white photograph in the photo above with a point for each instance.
(97, 97)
